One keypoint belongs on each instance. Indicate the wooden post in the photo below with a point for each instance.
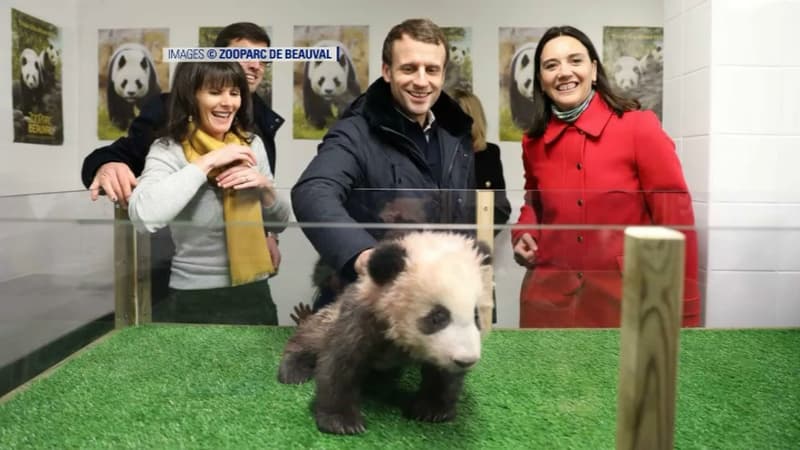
(124, 269)
(485, 221)
(132, 295)
(144, 301)
(652, 304)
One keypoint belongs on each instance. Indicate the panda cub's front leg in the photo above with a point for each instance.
(341, 369)
(437, 396)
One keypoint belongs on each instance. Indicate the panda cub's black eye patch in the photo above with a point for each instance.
(436, 320)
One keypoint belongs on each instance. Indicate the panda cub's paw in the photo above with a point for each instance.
(429, 410)
(340, 422)
(296, 368)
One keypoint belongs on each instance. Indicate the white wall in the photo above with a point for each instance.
(47, 246)
(29, 168)
(731, 104)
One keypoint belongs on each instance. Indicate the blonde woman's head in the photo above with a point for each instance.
(472, 106)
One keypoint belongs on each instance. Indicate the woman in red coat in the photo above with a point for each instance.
(593, 164)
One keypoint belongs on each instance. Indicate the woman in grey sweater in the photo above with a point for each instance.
(208, 178)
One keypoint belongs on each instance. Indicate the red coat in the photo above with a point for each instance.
(601, 173)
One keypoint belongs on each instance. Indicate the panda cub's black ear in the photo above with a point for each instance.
(485, 252)
(386, 262)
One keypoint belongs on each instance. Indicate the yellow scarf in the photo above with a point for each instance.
(244, 230)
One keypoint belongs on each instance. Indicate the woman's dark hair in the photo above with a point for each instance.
(241, 30)
(542, 103)
(189, 78)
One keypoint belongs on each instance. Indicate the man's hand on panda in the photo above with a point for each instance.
(360, 265)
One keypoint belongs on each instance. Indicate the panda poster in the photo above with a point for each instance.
(324, 89)
(458, 75)
(634, 62)
(516, 54)
(36, 80)
(131, 72)
(206, 38)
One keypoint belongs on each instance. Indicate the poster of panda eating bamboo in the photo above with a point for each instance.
(416, 305)
(36, 80)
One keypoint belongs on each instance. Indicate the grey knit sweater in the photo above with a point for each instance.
(173, 192)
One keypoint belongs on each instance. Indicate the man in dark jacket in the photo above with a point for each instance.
(401, 153)
(114, 168)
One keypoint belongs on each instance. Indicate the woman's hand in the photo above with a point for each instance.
(224, 156)
(525, 251)
(243, 176)
(248, 177)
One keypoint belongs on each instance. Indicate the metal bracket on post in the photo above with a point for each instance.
(651, 319)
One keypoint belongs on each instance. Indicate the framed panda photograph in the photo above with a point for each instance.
(130, 73)
(634, 61)
(517, 46)
(458, 75)
(36, 92)
(206, 38)
(324, 89)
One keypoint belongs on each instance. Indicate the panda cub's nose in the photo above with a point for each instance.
(465, 363)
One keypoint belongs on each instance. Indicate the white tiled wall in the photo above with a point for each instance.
(742, 299)
(696, 103)
(749, 111)
(671, 112)
(756, 32)
(756, 100)
(696, 44)
(787, 304)
(695, 155)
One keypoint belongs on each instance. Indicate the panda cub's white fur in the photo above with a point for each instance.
(416, 304)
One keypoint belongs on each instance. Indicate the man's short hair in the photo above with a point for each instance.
(423, 30)
(241, 30)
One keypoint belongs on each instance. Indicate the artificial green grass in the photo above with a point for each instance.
(166, 386)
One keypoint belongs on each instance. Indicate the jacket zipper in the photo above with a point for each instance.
(425, 164)
(453, 160)
(414, 155)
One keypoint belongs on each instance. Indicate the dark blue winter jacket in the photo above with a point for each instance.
(368, 172)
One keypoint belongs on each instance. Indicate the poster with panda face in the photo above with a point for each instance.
(206, 38)
(458, 75)
(634, 62)
(36, 80)
(131, 73)
(324, 89)
(517, 49)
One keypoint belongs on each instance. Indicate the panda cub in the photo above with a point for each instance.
(417, 303)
